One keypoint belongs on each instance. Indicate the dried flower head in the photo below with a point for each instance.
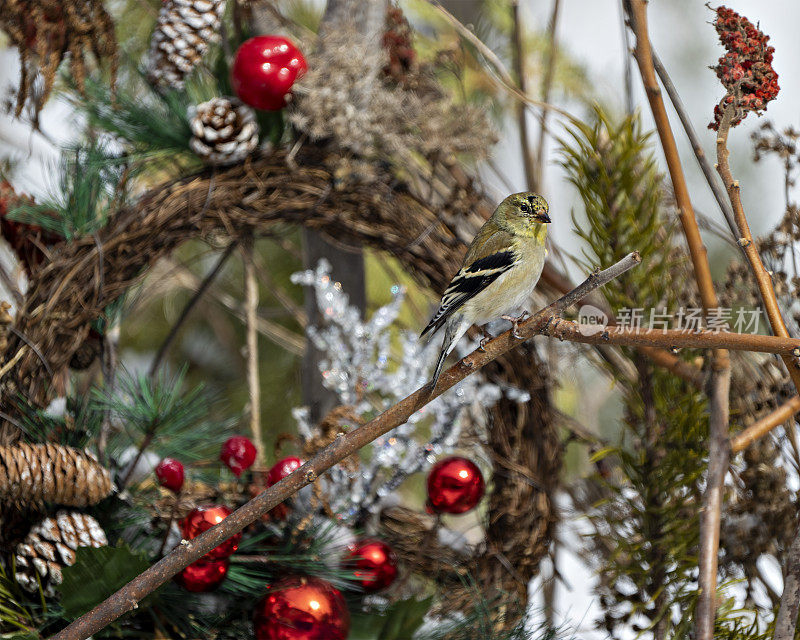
(346, 100)
(746, 68)
(397, 41)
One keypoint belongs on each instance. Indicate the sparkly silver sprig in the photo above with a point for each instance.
(371, 365)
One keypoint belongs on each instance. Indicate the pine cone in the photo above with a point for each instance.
(51, 545)
(37, 473)
(184, 31)
(225, 131)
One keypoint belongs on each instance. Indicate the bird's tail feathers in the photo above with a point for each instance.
(455, 328)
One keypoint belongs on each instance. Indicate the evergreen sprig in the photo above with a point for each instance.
(90, 186)
(644, 516)
(158, 412)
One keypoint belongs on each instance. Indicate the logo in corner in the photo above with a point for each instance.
(591, 320)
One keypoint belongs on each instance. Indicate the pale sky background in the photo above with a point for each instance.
(591, 31)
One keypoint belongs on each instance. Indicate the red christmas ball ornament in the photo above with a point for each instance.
(278, 472)
(238, 454)
(202, 576)
(374, 564)
(201, 519)
(301, 608)
(170, 474)
(264, 71)
(455, 485)
(282, 468)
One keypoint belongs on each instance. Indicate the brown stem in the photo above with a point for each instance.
(720, 367)
(786, 620)
(148, 438)
(518, 53)
(547, 85)
(574, 332)
(251, 321)
(766, 424)
(126, 598)
(204, 285)
(762, 276)
(719, 453)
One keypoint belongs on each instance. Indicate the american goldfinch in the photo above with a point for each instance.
(500, 271)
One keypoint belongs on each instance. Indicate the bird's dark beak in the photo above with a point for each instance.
(541, 216)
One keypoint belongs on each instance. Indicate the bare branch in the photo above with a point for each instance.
(766, 424)
(343, 446)
(251, 322)
(204, 285)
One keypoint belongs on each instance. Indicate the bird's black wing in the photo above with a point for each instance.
(468, 283)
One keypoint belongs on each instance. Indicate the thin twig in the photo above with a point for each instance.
(547, 85)
(694, 141)
(503, 79)
(745, 239)
(786, 620)
(108, 356)
(251, 321)
(766, 424)
(719, 383)
(190, 305)
(126, 598)
(518, 53)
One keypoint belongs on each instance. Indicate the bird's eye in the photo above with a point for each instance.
(524, 208)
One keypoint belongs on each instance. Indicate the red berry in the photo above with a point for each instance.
(264, 71)
(202, 576)
(455, 485)
(170, 474)
(374, 564)
(238, 454)
(202, 519)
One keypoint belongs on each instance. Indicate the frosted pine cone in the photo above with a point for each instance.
(225, 131)
(31, 474)
(184, 31)
(51, 545)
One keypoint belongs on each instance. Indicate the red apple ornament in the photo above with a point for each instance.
(264, 71)
(170, 474)
(201, 519)
(374, 564)
(455, 485)
(238, 454)
(201, 576)
(301, 608)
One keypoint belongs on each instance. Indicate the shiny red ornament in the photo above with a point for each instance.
(202, 576)
(278, 472)
(374, 564)
(201, 519)
(264, 71)
(455, 485)
(301, 608)
(238, 454)
(170, 474)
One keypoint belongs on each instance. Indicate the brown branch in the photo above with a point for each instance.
(547, 85)
(766, 424)
(251, 322)
(343, 446)
(190, 305)
(786, 620)
(518, 54)
(668, 339)
(719, 384)
(762, 276)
